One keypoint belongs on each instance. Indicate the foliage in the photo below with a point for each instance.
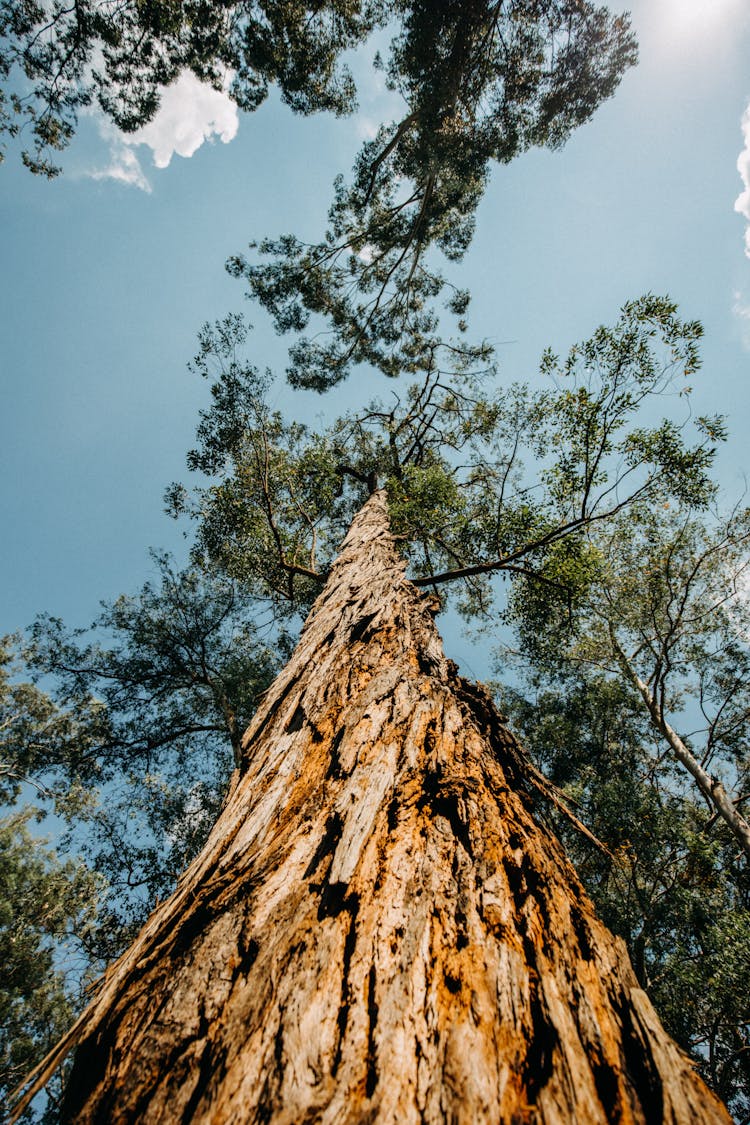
(666, 610)
(59, 58)
(450, 450)
(481, 82)
(36, 735)
(47, 922)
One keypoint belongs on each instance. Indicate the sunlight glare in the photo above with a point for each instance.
(689, 19)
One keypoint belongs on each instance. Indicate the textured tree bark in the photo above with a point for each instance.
(377, 930)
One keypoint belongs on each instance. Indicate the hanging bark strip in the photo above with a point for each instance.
(377, 930)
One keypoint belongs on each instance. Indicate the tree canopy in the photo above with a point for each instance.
(482, 83)
(557, 487)
(481, 478)
(565, 509)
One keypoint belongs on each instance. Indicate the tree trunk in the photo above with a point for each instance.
(377, 929)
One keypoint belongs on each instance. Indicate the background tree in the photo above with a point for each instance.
(666, 610)
(47, 907)
(658, 645)
(47, 927)
(170, 693)
(673, 885)
(132, 745)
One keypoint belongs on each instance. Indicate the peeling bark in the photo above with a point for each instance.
(377, 929)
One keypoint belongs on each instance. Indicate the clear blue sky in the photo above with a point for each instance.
(105, 285)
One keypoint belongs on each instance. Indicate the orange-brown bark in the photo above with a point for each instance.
(377, 929)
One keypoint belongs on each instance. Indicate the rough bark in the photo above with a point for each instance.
(377, 929)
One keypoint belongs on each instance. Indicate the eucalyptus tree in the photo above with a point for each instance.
(378, 924)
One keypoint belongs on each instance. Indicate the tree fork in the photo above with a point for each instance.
(377, 929)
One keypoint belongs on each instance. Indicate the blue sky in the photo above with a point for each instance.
(106, 281)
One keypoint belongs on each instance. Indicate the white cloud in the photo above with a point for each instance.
(741, 310)
(123, 165)
(742, 203)
(190, 113)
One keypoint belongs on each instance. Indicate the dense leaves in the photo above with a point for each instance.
(36, 734)
(481, 81)
(59, 58)
(47, 938)
(481, 478)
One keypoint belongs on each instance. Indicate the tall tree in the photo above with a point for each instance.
(377, 926)
(368, 748)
